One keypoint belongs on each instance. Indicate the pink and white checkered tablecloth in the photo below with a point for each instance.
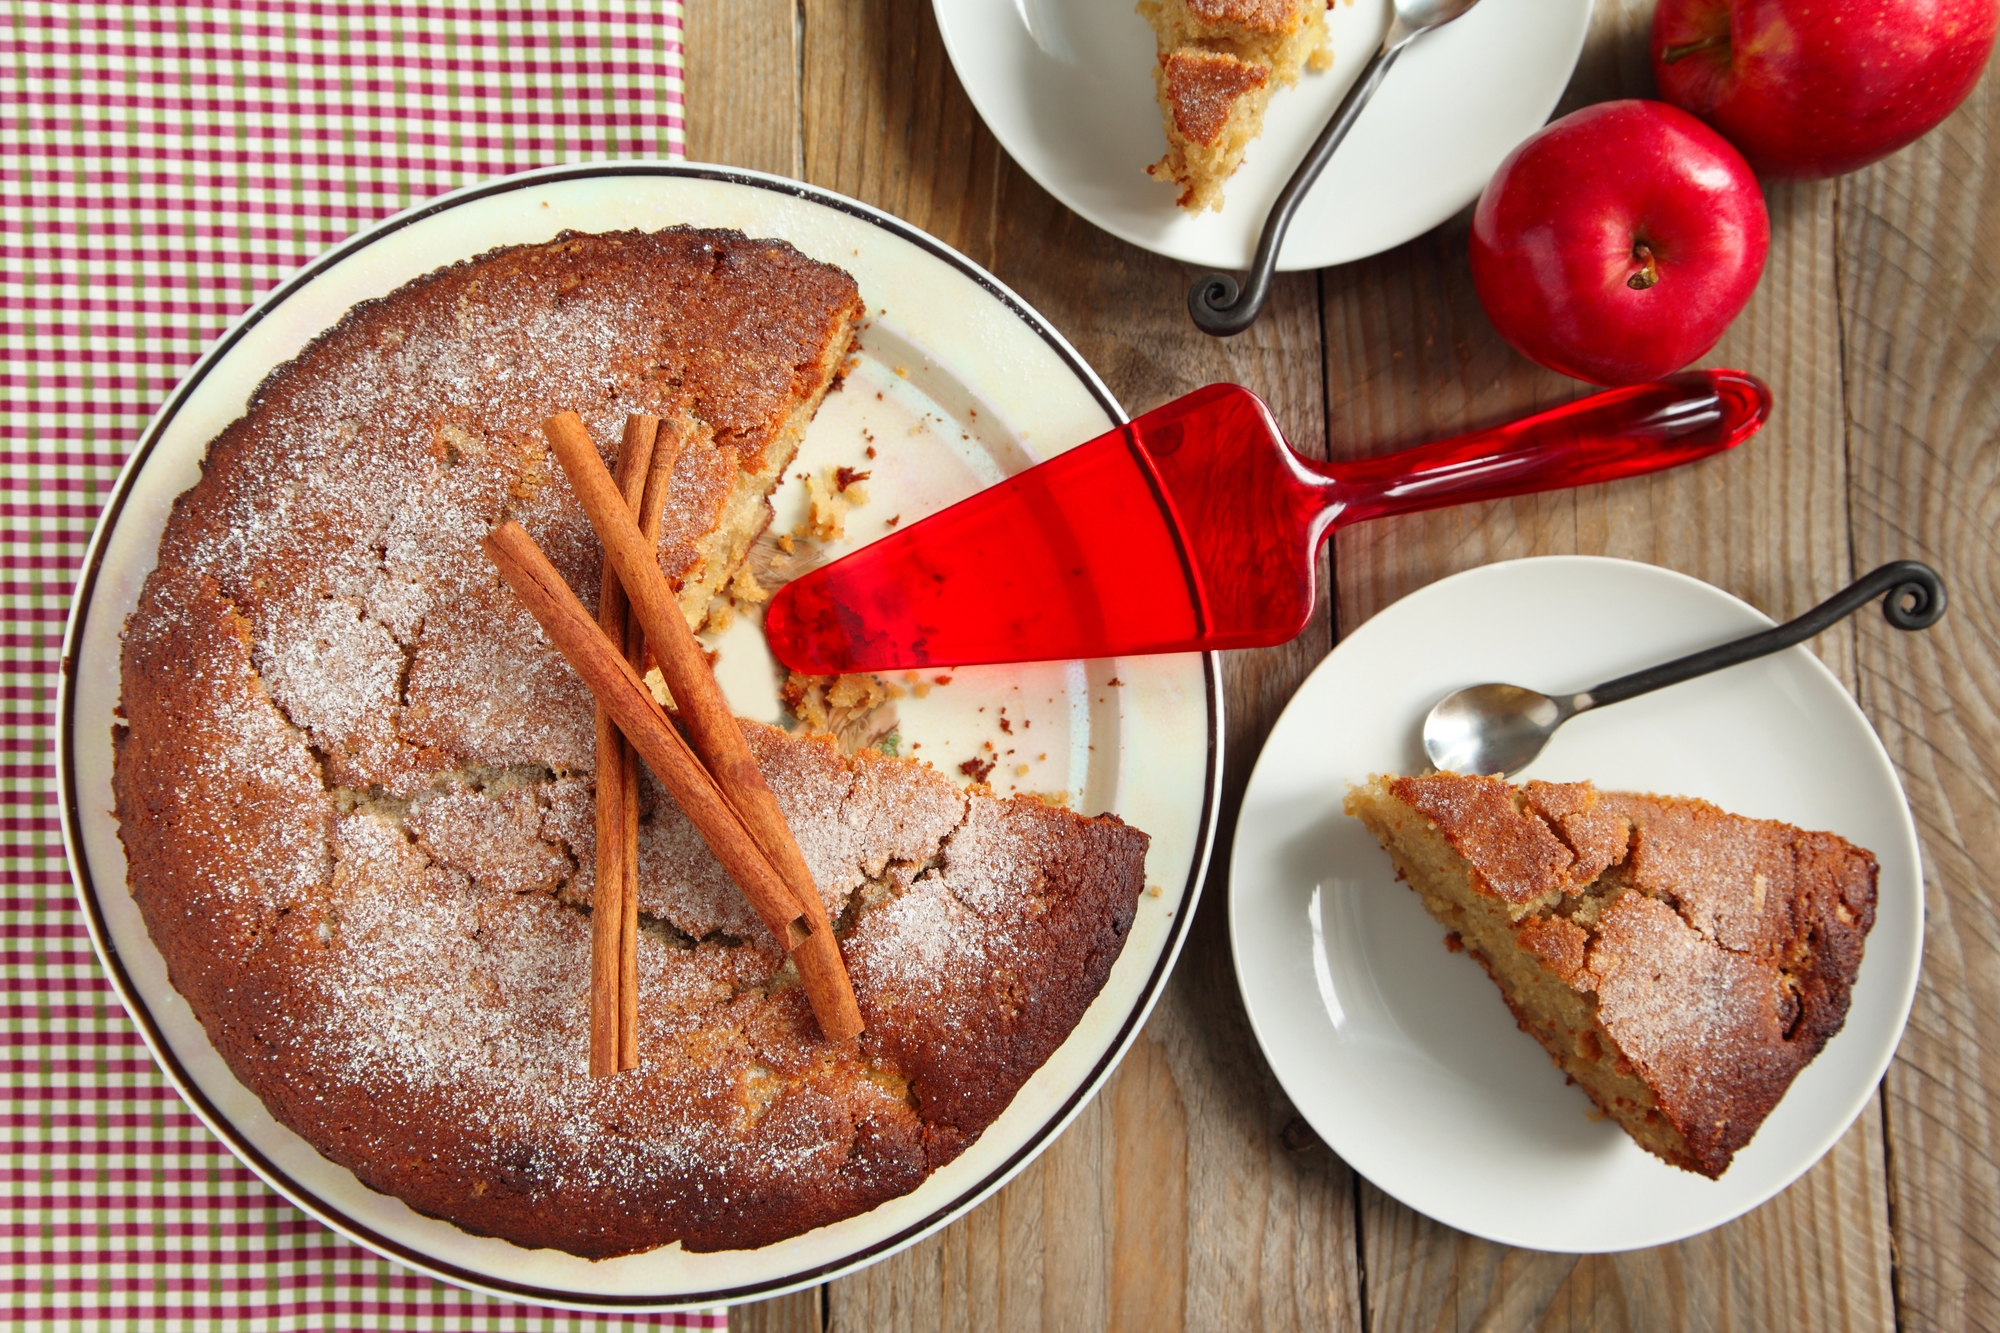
(160, 169)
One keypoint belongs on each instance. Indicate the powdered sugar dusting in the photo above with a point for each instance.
(336, 673)
(919, 937)
(237, 787)
(494, 835)
(976, 905)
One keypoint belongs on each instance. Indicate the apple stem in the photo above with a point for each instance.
(1671, 54)
(1649, 273)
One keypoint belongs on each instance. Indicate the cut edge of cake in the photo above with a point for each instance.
(748, 511)
(1683, 1015)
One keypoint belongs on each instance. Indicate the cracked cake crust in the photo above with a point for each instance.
(353, 786)
(1681, 963)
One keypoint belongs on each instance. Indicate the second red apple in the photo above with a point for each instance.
(1618, 243)
(1807, 88)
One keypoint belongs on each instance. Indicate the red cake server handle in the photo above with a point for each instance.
(1195, 527)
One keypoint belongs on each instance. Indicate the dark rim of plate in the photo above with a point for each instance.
(164, 1053)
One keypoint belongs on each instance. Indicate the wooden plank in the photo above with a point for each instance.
(1174, 1201)
(1920, 298)
(742, 76)
(800, 1312)
(1411, 356)
(886, 121)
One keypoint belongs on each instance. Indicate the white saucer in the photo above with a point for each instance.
(1402, 1055)
(1067, 88)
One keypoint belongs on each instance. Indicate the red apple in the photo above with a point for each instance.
(1616, 244)
(1811, 88)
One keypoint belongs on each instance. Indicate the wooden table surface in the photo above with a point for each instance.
(1189, 1195)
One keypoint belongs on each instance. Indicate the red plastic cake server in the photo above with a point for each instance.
(1196, 526)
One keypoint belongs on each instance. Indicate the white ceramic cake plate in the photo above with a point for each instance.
(1067, 88)
(958, 383)
(1402, 1055)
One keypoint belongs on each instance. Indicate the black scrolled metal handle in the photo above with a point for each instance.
(1217, 302)
(1915, 600)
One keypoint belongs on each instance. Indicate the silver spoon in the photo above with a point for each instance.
(1217, 304)
(1497, 730)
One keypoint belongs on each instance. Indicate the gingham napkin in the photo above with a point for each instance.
(162, 167)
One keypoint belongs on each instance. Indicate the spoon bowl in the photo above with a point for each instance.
(1491, 730)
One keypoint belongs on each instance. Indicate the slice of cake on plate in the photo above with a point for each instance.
(1219, 63)
(1681, 963)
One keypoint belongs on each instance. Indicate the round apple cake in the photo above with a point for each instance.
(353, 784)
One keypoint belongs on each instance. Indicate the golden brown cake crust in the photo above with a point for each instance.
(1203, 86)
(1519, 860)
(353, 787)
(1719, 951)
(1271, 16)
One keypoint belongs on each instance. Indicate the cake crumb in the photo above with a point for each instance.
(976, 768)
(830, 496)
(745, 588)
(858, 711)
(657, 683)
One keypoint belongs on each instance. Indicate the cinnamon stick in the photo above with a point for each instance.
(672, 437)
(628, 917)
(614, 924)
(638, 484)
(624, 695)
(607, 902)
(713, 727)
(667, 444)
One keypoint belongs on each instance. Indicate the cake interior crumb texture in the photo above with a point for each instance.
(1219, 63)
(1679, 963)
(354, 785)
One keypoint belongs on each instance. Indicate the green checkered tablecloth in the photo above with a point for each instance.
(160, 169)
